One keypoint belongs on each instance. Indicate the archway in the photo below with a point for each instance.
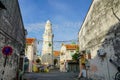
(55, 62)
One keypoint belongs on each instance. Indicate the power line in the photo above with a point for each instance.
(60, 40)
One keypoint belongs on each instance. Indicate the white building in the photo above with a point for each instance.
(47, 49)
(30, 51)
(66, 52)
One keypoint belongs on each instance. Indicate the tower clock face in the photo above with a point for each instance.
(50, 44)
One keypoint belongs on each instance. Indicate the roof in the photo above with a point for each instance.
(71, 46)
(30, 40)
(56, 53)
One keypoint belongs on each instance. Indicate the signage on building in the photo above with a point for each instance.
(7, 50)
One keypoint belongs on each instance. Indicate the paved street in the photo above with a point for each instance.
(53, 75)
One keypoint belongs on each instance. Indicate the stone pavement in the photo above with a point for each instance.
(52, 75)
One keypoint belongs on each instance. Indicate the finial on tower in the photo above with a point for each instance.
(48, 21)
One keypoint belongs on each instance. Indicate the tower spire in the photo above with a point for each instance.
(48, 21)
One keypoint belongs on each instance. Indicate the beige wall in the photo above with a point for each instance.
(64, 56)
(98, 32)
(31, 54)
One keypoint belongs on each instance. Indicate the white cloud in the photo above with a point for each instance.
(35, 30)
(35, 26)
(65, 21)
(59, 5)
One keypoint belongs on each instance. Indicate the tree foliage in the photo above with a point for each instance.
(75, 56)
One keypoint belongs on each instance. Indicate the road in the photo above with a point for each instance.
(53, 75)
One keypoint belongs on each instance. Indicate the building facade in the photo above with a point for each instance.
(30, 52)
(56, 59)
(66, 52)
(47, 48)
(100, 34)
(12, 34)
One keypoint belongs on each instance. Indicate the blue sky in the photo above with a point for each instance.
(66, 17)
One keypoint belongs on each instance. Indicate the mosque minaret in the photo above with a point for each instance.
(47, 48)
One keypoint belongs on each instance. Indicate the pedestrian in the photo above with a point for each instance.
(83, 72)
(82, 75)
(35, 67)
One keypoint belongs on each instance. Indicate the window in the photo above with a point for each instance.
(62, 53)
(71, 53)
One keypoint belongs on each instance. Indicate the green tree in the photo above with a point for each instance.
(73, 42)
(75, 56)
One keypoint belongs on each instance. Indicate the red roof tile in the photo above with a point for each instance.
(56, 53)
(30, 40)
(71, 46)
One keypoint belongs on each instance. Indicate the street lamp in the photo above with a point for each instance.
(2, 6)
